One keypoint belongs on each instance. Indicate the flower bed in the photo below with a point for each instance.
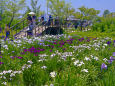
(57, 60)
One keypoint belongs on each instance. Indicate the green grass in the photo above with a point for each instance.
(93, 34)
(13, 32)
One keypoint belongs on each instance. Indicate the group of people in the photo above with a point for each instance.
(31, 24)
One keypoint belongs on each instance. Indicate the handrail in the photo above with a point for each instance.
(38, 25)
(17, 23)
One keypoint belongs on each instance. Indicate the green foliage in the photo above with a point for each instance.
(86, 14)
(11, 12)
(34, 7)
(60, 9)
(106, 12)
(35, 76)
(105, 24)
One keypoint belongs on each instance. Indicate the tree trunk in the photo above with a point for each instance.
(81, 25)
(11, 20)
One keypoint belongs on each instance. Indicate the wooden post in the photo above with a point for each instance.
(23, 24)
(16, 29)
(11, 32)
(35, 31)
(0, 48)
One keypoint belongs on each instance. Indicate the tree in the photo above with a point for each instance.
(2, 6)
(2, 9)
(106, 12)
(12, 9)
(34, 7)
(60, 9)
(86, 14)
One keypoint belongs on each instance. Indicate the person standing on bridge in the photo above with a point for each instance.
(34, 19)
(7, 30)
(29, 18)
(32, 22)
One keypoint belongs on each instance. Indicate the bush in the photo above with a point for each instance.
(105, 25)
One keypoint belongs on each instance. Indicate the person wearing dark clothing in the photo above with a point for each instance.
(42, 20)
(50, 20)
(30, 22)
(76, 25)
(29, 18)
(34, 19)
(7, 30)
(30, 31)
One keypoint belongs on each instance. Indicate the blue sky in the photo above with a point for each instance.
(97, 4)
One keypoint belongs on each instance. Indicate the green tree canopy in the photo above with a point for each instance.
(34, 7)
(12, 10)
(106, 12)
(86, 14)
(60, 8)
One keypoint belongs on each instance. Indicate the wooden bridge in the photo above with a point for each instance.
(40, 29)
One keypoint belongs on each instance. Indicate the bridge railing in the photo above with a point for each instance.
(18, 26)
(40, 25)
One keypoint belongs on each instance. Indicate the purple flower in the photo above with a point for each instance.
(38, 51)
(110, 61)
(103, 66)
(35, 54)
(82, 38)
(112, 58)
(52, 46)
(20, 57)
(50, 50)
(109, 42)
(1, 63)
(33, 48)
(15, 37)
(42, 49)
(12, 57)
(88, 40)
(2, 37)
(71, 39)
(54, 43)
(62, 43)
(5, 38)
(113, 53)
(113, 41)
(94, 38)
(22, 53)
(0, 56)
(64, 49)
(25, 50)
(35, 51)
(60, 46)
